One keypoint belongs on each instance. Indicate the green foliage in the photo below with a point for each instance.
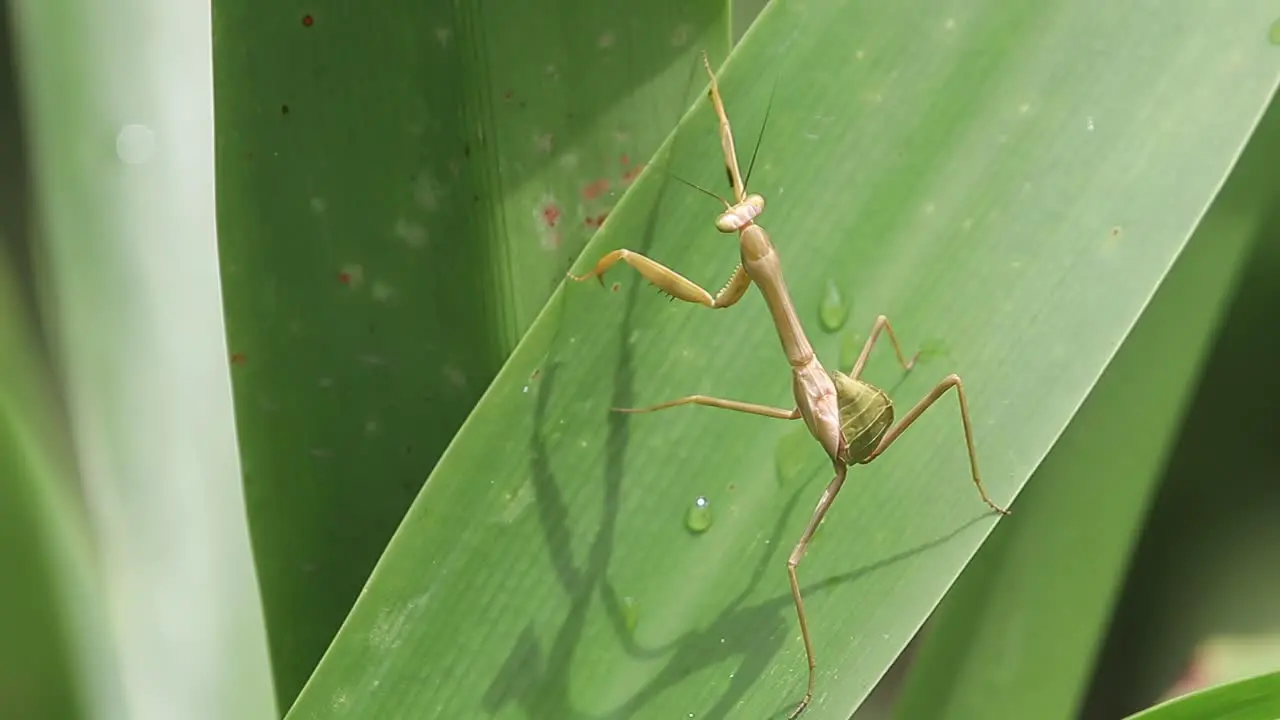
(1257, 698)
(1026, 621)
(399, 192)
(1006, 202)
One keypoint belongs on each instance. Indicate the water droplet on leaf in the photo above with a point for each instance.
(850, 346)
(834, 311)
(795, 456)
(630, 613)
(698, 517)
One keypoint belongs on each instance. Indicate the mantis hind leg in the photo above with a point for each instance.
(882, 323)
(671, 282)
(950, 381)
(793, 562)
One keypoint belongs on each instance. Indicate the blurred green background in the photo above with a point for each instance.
(1145, 561)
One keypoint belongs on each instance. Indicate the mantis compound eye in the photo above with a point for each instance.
(740, 215)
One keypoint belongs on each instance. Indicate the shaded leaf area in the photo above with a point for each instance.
(400, 189)
(1010, 199)
(42, 555)
(1197, 607)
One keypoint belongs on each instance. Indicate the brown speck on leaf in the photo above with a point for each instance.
(1115, 231)
(551, 214)
(307, 21)
(595, 189)
(616, 287)
(238, 358)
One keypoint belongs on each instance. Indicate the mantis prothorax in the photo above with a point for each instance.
(851, 418)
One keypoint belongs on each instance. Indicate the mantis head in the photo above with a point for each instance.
(740, 215)
(866, 414)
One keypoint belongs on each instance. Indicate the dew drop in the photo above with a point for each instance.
(932, 348)
(135, 144)
(698, 517)
(850, 347)
(794, 456)
(834, 311)
(630, 613)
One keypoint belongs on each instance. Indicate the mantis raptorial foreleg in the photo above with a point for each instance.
(671, 282)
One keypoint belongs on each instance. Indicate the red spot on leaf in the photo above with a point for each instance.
(344, 278)
(625, 159)
(238, 358)
(307, 21)
(551, 214)
(631, 174)
(595, 189)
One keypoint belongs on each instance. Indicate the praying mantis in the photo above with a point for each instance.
(852, 419)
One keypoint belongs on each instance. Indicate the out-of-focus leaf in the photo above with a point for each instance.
(119, 107)
(1257, 698)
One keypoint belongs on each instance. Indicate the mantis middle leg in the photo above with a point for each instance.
(754, 409)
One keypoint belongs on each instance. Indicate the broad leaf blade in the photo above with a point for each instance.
(1026, 621)
(1008, 186)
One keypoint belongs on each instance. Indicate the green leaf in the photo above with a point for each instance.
(1257, 698)
(399, 192)
(49, 666)
(1204, 619)
(1009, 186)
(1026, 620)
(118, 110)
